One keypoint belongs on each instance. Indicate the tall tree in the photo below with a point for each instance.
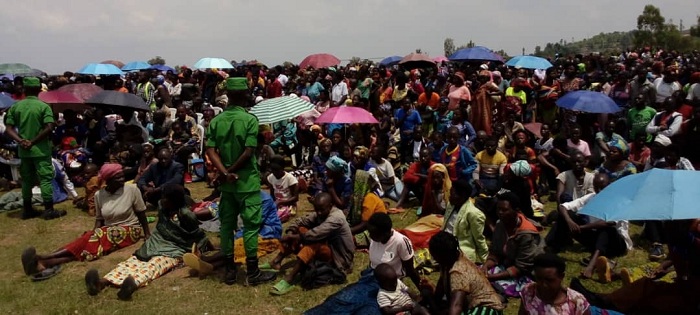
(157, 60)
(448, 47)
(695, 30)
(538, 51)
(649, 24)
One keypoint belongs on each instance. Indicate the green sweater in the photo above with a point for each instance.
(469, 230)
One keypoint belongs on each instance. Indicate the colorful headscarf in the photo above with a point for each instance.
(361, 152)
(622, 145)
(337, 165)
(109, 170)
(429, 206)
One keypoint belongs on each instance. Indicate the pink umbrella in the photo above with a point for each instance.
(440, 59)
(62, 100)
(319, 61)
(83, 91)
(346, 115)
(416, 60)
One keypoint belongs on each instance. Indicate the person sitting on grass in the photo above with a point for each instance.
(394, 296)
(457, 158)
(602, 239)
(87, 202)
(415, 178)
(365, 203)
(466, 222)
(166, 171)
(461, 289)
(490, 167)
(177, 229)
(284, 186)
(546, 295)
(323, 235)
(120, 220)
(516, 241)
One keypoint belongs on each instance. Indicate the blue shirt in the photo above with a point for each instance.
(412, 119)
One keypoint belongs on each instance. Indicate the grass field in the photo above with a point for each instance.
(176, 292)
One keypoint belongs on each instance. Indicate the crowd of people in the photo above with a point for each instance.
(476, 148)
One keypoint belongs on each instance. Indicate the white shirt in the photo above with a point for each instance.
(664, 90)
(339, 90)
(397, 298)
(694, 92)
(385, 170)
(571, 185)
(396, 250)
(281, 185)
(621, 226)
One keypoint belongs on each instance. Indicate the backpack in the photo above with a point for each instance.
(319, 274)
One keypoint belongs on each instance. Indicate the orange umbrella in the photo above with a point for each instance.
(416, 60)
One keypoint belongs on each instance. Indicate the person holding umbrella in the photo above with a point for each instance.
(34, 122)
(231, 142)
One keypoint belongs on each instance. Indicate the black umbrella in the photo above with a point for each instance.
(119, 99)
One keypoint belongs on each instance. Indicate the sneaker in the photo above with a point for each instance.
(53, 214)
(657, 252)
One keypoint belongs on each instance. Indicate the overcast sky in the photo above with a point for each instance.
(64, 35)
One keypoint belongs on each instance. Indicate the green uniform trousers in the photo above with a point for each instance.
(249, 206)
(37, 170)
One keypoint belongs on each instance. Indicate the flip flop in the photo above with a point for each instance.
(47, 273)
(281, 288)
(92, 282)
(203, 268)
(603, 270)
(267, 267)
(29, 261)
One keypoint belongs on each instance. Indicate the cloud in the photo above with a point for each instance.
(59, 35)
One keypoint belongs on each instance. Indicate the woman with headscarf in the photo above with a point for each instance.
(437, 190)
(338, 183)
(481, 115)
(616, 164)
(119, 222)
(176, 232)
(458, 92)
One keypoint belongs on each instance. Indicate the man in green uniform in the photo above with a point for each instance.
(232, 138)
(33, 120)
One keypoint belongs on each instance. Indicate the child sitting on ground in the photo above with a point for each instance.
(87, 203)
(394, 296)
(284, 187)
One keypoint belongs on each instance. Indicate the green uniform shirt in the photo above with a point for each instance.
(30, 116)
(230, 133)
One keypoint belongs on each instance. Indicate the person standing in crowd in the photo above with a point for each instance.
(231, 142)
(30, 123)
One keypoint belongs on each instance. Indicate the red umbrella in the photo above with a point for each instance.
(62, 100)
(346, 115)
(83, 91)
(415, 60)
(319, 61)
(116, 63)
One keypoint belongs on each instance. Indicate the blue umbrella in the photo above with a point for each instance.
(656, 194)
(478, 53)
(390, 61)
(529, 62)
(6, 101)
(208, 63)
(136, 65)
(162, 68)
(589, 102)
(100, 69)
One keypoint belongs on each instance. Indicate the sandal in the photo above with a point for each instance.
(46, 273)
(603, 270)
(29, 261)
(202, 267)
(281, 288)
(267, 267)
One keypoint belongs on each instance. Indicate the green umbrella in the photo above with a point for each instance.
(13, 68)
(280, 108)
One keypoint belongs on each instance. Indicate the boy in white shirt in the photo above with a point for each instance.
(394, 296)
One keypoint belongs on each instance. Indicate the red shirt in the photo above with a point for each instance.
(274, 89)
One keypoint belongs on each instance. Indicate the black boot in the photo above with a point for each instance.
(28, 211)
(50, 213)
(253, 274)
(231, 273)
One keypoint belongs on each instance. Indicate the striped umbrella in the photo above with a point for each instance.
(280, 108)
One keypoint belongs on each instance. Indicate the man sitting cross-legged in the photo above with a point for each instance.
(322, 235)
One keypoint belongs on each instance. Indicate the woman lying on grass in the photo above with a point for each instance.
(175, 232)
